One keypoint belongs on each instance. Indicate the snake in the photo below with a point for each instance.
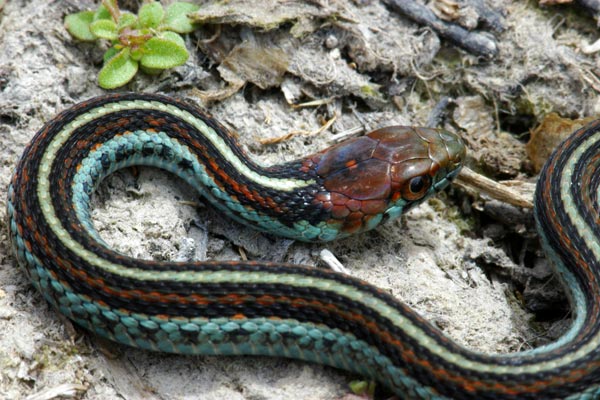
(255, 307)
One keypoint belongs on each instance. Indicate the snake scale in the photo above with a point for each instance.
(284, 310)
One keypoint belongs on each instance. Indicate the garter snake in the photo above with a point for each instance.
(284, 310)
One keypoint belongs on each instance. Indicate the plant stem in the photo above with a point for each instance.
(113, 9)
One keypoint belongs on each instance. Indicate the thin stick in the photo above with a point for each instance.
(493, 189)
(473, 42)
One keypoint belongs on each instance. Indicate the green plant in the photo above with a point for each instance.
(363, 389)
(150, 41)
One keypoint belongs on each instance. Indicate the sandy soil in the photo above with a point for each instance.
(470, 265)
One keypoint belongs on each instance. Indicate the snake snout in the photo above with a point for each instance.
(456, 153)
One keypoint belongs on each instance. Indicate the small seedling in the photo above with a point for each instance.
(363, 389)
(150, 41)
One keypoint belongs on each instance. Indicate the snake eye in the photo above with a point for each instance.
(416, 184)
(416, 187)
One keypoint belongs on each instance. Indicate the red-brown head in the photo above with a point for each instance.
(378, 176)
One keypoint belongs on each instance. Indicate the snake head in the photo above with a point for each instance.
(378, 176)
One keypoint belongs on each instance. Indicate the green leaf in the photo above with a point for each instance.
(137, 53)
(363, 388)
(173, 37)
(176, 18)
(151, 14)
(78, 25)
(110, 53)
(102, 13)
(150, 71)
(162, 53)
(126, 20)
(358, 387)
(104, 29)
(119, 70)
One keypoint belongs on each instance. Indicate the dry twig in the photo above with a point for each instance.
(473, 42)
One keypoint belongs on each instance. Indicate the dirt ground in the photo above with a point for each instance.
(470, 264)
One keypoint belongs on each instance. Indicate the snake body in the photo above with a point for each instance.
(261, 308)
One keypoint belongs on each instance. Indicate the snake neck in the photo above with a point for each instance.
(346, 189)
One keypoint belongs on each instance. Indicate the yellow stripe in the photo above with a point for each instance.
(292, 280)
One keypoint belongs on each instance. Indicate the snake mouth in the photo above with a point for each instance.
(454, 171)
(446, 180)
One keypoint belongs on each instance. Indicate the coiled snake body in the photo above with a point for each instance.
(237, 308)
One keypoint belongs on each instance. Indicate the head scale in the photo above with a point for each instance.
(380, 175)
